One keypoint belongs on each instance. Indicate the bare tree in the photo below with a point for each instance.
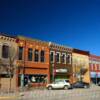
(12, 64)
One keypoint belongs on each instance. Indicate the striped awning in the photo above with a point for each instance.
(95, 74)
(98, 74)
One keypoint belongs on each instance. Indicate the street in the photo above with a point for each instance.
(76, 94)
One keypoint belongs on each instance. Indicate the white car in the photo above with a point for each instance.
(61, 84)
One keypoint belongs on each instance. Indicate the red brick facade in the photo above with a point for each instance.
(95, 68)
(37, 70)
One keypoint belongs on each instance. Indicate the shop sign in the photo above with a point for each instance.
(61, 70)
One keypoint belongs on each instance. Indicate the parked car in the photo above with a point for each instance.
(80, 85)
(98, 83)
(61, 84)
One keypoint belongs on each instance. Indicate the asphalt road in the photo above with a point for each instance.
(76, 94)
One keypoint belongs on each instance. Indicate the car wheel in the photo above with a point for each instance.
(50, 88)
(85, 86)
(65, 87)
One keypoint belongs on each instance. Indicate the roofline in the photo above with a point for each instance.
(30, 39)
(55, 44)
(7, 35)
(81, 51)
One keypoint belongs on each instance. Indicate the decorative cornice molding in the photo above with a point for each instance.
(7, 38)
(59, 47)
(33, 40)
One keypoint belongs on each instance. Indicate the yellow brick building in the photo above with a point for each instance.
(80, 63)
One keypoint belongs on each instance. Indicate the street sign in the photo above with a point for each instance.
(61, 70)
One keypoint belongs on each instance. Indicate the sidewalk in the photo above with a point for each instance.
(8, 97)
(11, 96)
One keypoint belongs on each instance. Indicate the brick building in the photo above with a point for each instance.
(80, 61)
(8, 53)
(33, 61)
(60, 61)
(95, 68)
(41, 62)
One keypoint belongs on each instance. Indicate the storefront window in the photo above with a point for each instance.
(30, 53)
(36, 55)
(37, 78)
(42, 58)
(5, 51)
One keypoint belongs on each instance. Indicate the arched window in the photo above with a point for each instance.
(5, 51)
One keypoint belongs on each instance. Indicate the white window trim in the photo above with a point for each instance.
(53, 56)
(70, 58)
(64, 58)
(59, 57)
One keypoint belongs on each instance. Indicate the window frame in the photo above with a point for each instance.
(7, 56)
(59, 57)
(22, 53)
(35, 56)
(64, 58)
(53, 56)
(30, 54)
(42, 56)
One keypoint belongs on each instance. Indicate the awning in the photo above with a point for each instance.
(93, 74)
(98, 75)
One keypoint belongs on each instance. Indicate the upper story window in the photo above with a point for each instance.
(63, 58)
(52, 56)
(36, 55)
(68, 59)
(99, 67)
(42, 56)
(58, 57)
(20, 55)
(95, 67)
(5, 51)
(30, 54)
(91, 66)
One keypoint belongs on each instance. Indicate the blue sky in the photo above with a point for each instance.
(75, 23)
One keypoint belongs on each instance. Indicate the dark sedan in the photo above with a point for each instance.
(80, 85)
(98, 83)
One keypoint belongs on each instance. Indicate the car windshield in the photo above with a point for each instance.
(62, 81)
